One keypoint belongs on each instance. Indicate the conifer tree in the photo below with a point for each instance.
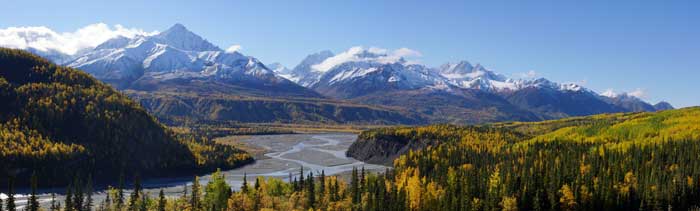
(54, 205)
(144, 202)
(78, 194)
(354, 187)
(244, 186)
(120, 192)
(88, 194)
(301, 178)
(135, 195)
(107, 203)
(161, 201)
(257, 184)
(10, 204)
(322, 184)
(33, 203)
(194, 199)
(69, 198)
(310, 193)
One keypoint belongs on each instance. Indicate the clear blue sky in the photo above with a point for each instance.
(623, 45)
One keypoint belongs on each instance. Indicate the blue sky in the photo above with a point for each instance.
(652, 46)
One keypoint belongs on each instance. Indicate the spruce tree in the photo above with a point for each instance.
(78, 194)
(322, 185)
(354, 187)
(244, 186)
(11, 196)
(257, 183)
(301, 178)
(161, 201)
(69, 198)
(88, 194)
(33, 203)
(54, 205)
(107, 204)
(135, 195)
(144, 202)
(194, 200)
(362, 180)
(120, 192)
(310, 193)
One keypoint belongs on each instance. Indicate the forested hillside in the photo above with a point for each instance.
(617, 161)
(55, 118)
(633, 161)
(176, 107)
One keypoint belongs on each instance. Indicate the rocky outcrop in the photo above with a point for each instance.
(383, 150)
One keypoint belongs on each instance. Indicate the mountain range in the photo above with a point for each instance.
(178, 75)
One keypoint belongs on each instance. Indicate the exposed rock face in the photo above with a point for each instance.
(383, 150)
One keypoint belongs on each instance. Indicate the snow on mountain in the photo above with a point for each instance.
(174, 53)
(358, 63)
(281, 70)
(627, 101)
(62, 47)
(303, 74)
(179, 37)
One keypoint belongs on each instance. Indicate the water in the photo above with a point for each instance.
(286, 154)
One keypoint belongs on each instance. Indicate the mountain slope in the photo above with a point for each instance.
(176, 108)
(661, 106)
(454, 92)
(179, 58)
(58, 118)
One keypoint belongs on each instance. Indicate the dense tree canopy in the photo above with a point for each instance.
(56, 118)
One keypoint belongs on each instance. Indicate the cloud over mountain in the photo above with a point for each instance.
(372, 54)
(42, 38)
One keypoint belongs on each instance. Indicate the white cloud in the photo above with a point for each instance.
(380, 55)
(609, 93)
(639, 93)
(44, 39)
(233, 48)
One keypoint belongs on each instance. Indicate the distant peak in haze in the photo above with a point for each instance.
(663, 105)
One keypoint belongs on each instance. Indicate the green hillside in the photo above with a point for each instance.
(630, 161)
(56, 118)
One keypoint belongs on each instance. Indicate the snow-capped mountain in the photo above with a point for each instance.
(378, 69)
(280, 70)
(629, 102)
(366, 71)
(373, 75)
(176, 53)
(303, 74)
(463, 74)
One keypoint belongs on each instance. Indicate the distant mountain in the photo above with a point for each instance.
(453, 92)
(630, 103)
(177, 59)
(177, 69)
(304, 74)
(663, 105)
(180, 77)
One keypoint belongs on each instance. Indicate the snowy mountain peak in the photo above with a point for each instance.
(180, 37)
(175, 53)
(459, 67)
(117, 42)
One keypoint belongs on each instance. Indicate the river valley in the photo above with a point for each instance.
(284, 154)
